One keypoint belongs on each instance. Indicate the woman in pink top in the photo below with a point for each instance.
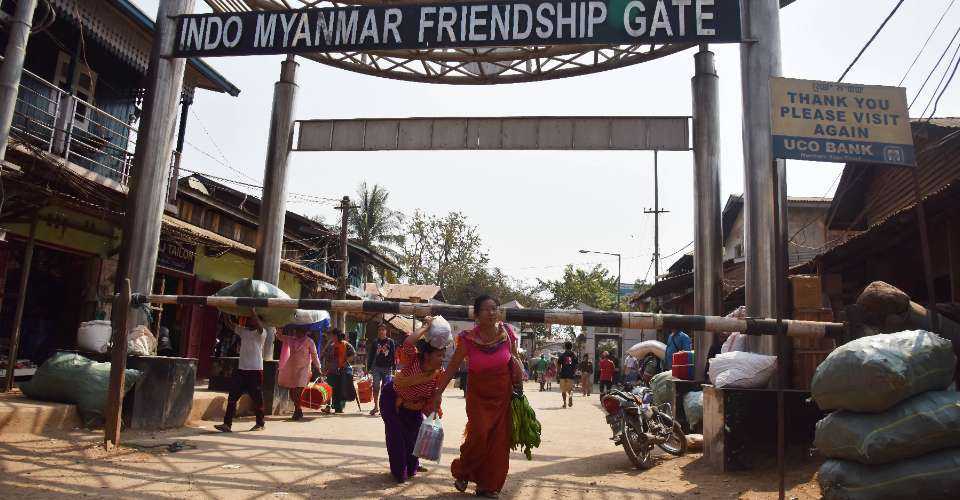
(296, 356)
(491, 349)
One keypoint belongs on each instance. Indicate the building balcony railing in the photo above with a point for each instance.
(62, 124)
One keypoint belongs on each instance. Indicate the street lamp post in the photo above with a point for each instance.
(618, 271)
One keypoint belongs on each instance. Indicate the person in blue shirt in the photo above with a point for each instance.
(677, 341)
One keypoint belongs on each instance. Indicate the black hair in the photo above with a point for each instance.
(483, 298)
(424, 348)
(568, 345)
(340, 335)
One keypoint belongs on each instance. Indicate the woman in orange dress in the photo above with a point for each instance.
(493, 372)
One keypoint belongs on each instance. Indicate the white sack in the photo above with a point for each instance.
(743, 370)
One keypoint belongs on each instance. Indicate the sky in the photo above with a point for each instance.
(535, 210)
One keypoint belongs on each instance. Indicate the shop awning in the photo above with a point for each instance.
(186, 232)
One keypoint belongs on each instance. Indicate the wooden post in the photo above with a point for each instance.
(21, 301)
(118, 365)
(344, 261)
(925, 246)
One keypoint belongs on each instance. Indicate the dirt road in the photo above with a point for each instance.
(343, 456)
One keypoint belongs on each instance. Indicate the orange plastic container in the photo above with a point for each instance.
(365, 391)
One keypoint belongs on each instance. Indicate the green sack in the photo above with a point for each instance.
(871, 374)
(662, 386)
(693, 409)
(922, 424)
(259, 290)
(73, 379)
(929, 477)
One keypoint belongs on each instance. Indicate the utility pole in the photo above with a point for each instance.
(656, 219)
(273, 211)
(708, 240)
(148, 195)
(12, 68)
(341, 319)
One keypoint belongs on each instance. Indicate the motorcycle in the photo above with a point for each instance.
(638, 425)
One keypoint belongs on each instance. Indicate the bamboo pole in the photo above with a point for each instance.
(616, 319)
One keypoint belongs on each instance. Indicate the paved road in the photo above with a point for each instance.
(343, 456)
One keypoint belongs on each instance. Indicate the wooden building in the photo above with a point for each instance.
(876, 205)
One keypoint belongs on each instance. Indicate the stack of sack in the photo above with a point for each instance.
(896, 431)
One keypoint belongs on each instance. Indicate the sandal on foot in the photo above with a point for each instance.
(460, 485)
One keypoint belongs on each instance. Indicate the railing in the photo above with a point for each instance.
(64, 125)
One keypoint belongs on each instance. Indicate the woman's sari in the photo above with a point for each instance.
(485, 453)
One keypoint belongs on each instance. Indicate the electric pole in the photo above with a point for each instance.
(341, 319)
(656, 219)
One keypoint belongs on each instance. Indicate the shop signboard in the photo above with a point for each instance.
(840, 122)
(176, 256)
(433, 25)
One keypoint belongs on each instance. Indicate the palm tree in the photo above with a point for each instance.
(375, 225)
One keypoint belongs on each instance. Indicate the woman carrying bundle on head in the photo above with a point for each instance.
(408, 396)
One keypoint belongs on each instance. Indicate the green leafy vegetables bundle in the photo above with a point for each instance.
(526, 428)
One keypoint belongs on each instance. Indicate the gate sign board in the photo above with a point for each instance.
(840, 122)
(495, 23)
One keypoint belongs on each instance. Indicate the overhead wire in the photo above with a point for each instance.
(934, 68)
(927, 41)
(870, 41)
(945, 86)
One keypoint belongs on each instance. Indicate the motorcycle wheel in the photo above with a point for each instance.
(639, 453)
(677, 442)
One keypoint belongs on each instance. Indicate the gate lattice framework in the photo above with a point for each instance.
(466, 66)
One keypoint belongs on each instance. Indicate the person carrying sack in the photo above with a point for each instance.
(248, 379)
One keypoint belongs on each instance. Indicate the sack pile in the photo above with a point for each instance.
(73, 379)
(896, 433)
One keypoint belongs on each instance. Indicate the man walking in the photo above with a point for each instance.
(586, 376)
(607, 371)
(248, 379)
(381, 360)
(566, 373)
(540, 369)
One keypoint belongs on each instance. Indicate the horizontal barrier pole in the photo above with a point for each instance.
(630, 320)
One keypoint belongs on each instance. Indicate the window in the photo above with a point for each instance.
(84, 84)
(245, 235)
(227, 227)
(185, 209)
(210, 219)
(196, 216)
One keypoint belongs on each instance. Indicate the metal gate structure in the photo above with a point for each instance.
(470, 42)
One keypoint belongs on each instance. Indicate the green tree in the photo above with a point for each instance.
(595, 287)
(375, 225)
